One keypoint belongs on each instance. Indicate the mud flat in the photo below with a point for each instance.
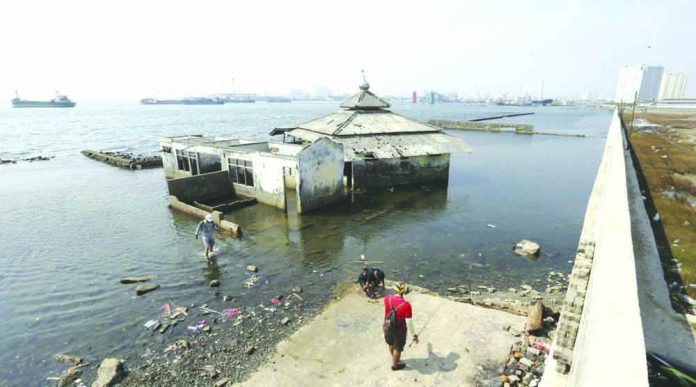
(344, 345)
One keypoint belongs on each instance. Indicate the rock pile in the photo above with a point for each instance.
(525, 364)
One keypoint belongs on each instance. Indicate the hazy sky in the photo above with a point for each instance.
(128, 50)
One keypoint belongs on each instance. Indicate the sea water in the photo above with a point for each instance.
(71, 227)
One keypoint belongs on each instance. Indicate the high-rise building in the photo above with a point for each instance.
(673, 86)
(644, 80)
(650, 85)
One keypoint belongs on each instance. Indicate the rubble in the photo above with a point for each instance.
(143, 289)
(110, 372)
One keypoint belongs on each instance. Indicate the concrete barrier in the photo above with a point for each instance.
(232, 229)
(600, 335)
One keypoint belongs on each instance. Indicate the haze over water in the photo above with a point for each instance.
(72, 227)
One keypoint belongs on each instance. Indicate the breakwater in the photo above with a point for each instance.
(497, 127)
(124, 160)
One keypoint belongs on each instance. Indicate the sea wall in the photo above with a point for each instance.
(599, 340)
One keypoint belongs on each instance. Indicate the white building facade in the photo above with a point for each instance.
(673, 86)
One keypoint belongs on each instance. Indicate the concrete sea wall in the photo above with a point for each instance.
(600, 340)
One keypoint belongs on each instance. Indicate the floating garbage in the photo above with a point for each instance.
(166, 309)
(151, 324)
(251, 282)
(491, 225)
(656, 218)
(275, 301)
(229, 313)
(200, 327)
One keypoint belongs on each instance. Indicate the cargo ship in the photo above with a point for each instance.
(60, 101)
(184, 101)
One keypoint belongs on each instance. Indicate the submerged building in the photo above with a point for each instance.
(364, 145)
(380, 147)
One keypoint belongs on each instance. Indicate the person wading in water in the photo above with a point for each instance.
(397, 322)
(207, 230)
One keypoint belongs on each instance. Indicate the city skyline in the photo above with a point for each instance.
(129, 51)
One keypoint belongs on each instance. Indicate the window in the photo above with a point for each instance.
(187, 161)
(241, 171)
(208, 163)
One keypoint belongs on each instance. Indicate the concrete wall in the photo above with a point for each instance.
(320, 175)
(201, 187)
(397, 171)
(269, 185)
(600, 334)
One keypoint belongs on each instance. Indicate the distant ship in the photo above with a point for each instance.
(238, 98)
(184, 101)
(60, 101)
(543, 102)
(278, 99)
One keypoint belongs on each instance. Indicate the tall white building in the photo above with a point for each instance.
(673, 86)
(645, 80)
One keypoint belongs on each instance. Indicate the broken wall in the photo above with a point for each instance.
(201, 187)
(381, 173)
(319, 175)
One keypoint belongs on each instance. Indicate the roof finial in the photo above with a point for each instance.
(365, 85)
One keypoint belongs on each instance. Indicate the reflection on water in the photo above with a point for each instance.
(72, 227)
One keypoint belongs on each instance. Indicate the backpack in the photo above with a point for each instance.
(389, 325)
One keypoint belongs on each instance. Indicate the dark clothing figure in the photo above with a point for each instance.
(370, 281)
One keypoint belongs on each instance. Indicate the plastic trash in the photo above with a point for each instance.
(656, 218)
(229, 313)
(194, 329)
(692, 286)
(541, 347)
(166, 309)
(275, 301)
(491, 225)
(151, 324)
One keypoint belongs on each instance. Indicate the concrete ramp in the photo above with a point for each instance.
(344, 346)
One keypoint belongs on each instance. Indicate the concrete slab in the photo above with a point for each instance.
(344, 345)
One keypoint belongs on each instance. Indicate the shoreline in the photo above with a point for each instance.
(237, 349)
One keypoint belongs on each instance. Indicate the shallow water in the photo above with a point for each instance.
(72, 227)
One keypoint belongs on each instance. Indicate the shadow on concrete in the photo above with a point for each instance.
(664, 249)
(665, 327)
(434, 363)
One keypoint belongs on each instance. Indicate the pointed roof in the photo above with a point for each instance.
(364, 100)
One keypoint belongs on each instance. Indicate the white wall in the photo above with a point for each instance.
(320, 175)
(609, 348)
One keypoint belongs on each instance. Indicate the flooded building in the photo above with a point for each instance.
(380, 147)
(364, 145)
(208, 171)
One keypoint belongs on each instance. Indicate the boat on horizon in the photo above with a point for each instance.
(59, 101)
(183, 101)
